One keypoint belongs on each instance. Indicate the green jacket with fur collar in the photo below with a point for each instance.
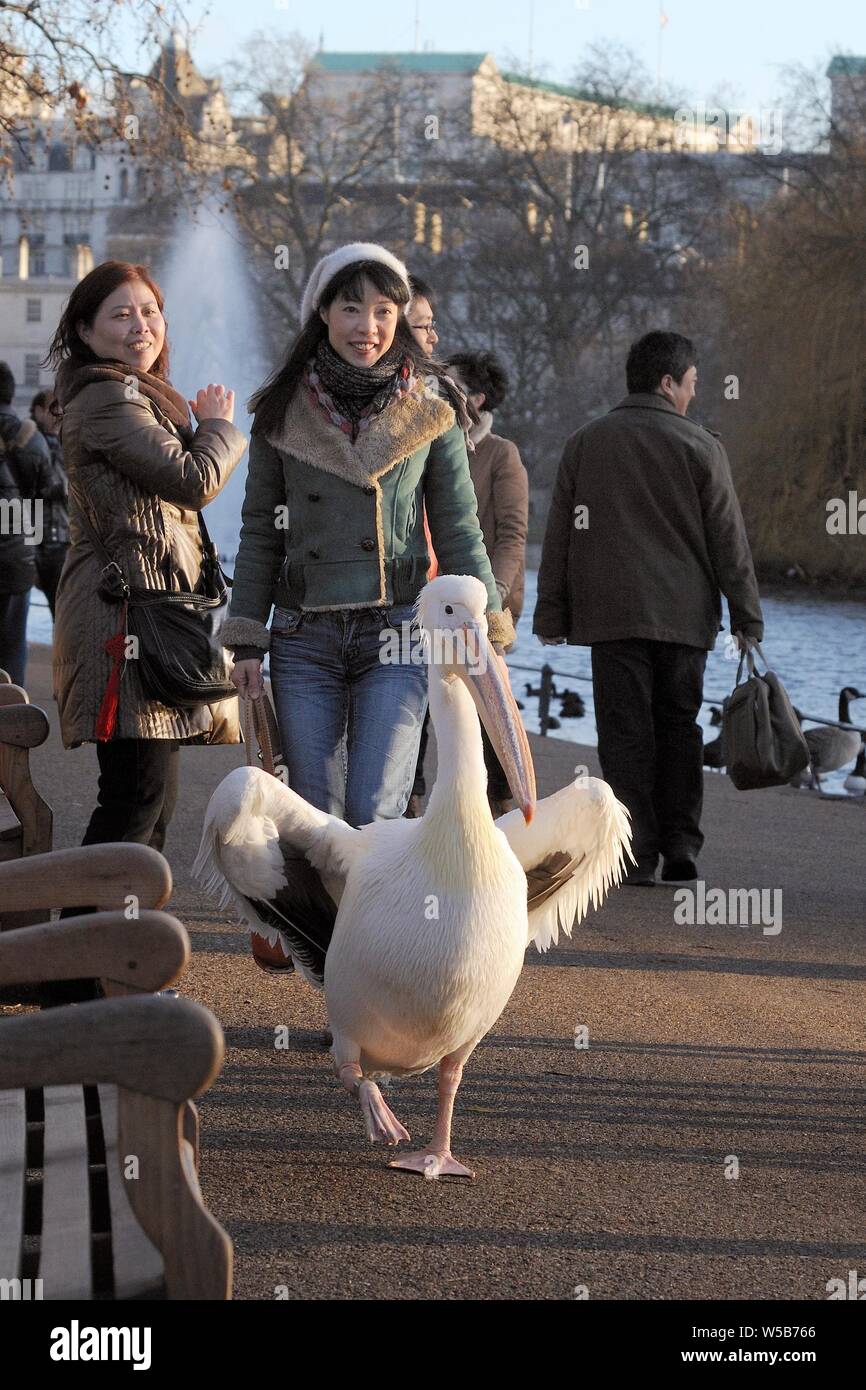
(331, 524)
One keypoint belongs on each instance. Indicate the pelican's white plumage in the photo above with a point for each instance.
(430, 918)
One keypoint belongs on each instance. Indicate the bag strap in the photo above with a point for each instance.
(98, 545)
(208, 549)
(261, 733)
(747, 656)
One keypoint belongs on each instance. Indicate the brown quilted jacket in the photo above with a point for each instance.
(143, 480)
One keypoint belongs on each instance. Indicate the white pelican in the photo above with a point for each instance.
(418, 928)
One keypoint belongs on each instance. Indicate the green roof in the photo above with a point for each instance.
(847, 65)
(468, 64)
(597, 99)
(407, 62)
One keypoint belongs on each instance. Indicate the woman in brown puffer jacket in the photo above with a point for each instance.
(142, 475)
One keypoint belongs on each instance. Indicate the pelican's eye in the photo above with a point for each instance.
(448, 608)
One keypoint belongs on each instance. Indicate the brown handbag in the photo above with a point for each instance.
(262, 735)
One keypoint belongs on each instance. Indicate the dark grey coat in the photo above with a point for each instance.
(664, 534)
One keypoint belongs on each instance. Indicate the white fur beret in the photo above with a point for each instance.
(329, 265)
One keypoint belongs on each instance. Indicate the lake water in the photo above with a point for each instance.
(815, 644)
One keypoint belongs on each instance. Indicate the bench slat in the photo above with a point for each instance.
(65, 1264)
(138, 1266)
(13, 1166)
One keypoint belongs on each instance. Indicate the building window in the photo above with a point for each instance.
(34, 311)
(420, 223)
(436, 233)
(31, 368)
(37, 255)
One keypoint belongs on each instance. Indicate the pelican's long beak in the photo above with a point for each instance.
(488, 685)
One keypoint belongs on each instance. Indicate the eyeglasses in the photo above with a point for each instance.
(424, 327)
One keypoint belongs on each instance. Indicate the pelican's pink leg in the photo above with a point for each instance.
(381, 1123)
(436, 1161)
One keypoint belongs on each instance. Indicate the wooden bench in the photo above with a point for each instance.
(120, 875)
(25, 818)
(99, 1195)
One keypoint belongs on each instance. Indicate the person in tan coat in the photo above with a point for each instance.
(140, 474)
(502, 493)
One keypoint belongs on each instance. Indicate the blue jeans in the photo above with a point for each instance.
(349, 722)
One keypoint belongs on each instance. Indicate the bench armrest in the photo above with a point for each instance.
(24, 726)
(101, 876)
(170, 1049)
(143, 954)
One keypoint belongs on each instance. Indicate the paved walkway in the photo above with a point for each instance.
(602, 1167)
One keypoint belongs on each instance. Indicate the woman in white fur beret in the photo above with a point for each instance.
(354, 434)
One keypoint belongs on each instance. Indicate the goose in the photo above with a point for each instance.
(417, 929)
(830, 748)
(714, 755)
(573, 706)
(855, 782)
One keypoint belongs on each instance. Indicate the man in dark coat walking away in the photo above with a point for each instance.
(644, 534)
(24, 471)
(50, 555)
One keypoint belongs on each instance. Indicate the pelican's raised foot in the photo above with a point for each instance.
(432, 1165)
(382, 1124)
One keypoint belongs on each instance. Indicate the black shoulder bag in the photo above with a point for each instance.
(181, 660)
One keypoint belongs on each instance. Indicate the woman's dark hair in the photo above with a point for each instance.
(7, 384)
(82, 306)
(482, 371)
(656, 355)
(269, 403)
(422, 289)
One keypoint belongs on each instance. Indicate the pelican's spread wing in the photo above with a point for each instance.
(278, 861)
(572, 852)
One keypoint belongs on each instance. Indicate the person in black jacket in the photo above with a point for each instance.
(644, 535)
(50, 555)
(24, 469)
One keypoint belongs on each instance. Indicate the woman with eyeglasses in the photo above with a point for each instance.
(51, 552)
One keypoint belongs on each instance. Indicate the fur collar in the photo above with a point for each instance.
(483, 428)
(402, 428)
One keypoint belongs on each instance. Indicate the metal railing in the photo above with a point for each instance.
(546, 693)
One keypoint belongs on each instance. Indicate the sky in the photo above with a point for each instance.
(733, 47)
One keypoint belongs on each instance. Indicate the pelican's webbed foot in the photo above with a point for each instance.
(382, 1124)
(432, 1165)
